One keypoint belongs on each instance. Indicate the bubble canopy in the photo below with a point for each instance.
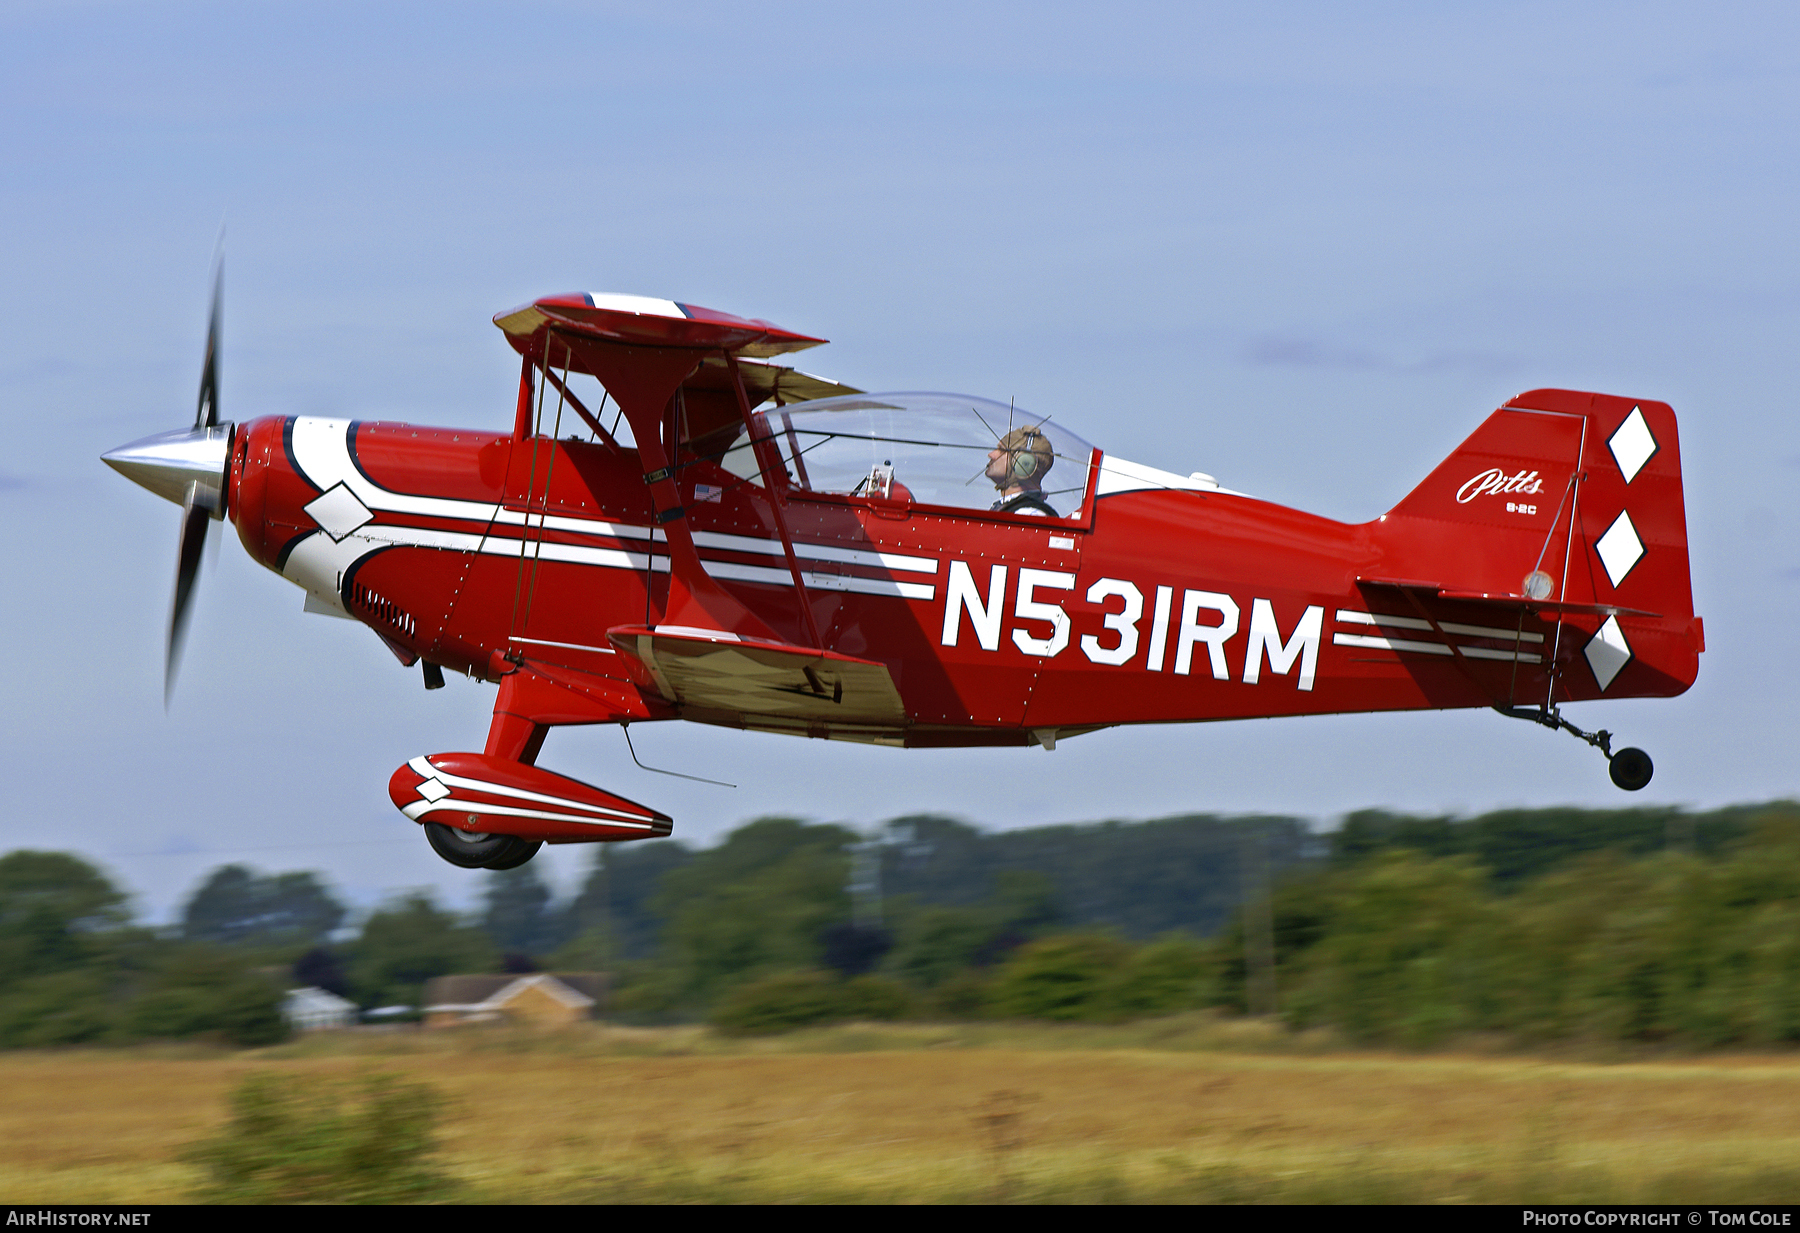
(931, 449)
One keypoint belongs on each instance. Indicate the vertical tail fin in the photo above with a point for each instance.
(1570, 505)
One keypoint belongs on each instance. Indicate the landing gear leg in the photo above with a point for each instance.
(1630, 768)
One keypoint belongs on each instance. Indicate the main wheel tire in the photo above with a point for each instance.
(1631, 769)
(469, 849)
(525, 850)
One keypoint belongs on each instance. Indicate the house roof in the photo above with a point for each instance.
(315, 998)
(577, 990)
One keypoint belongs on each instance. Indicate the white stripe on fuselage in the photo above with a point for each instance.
(1384, 642)
(322, 450)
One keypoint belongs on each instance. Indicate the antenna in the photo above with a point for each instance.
(626, 729)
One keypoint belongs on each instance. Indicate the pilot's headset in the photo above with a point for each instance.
(1029, 454)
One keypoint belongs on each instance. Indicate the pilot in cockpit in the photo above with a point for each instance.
(1017, 464)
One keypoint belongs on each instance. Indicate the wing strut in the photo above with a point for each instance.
(643, 350)
(600, 434)
(642, 380)
(526, 547)
(775, 484)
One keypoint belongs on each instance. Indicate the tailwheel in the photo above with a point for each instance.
(478, 850)
(1631, 769)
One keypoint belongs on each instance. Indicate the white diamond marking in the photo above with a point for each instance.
(1620, 548)
(1632, 445)
(338, 512)
(1607, 652)
(433, 790)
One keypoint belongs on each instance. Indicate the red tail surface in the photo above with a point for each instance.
(1568, 505)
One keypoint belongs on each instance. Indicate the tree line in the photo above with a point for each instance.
(1638, 924)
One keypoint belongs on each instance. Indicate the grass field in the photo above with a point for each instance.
(1181, 1110)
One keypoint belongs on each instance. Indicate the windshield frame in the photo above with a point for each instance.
(775, 433)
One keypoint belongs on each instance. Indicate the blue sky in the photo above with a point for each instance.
(1304, 248)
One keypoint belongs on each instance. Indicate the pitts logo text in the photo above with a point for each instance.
(1494, 480)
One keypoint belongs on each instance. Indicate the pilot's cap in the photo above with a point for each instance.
(1030, 453)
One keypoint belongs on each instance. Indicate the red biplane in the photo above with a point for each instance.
(747, 545)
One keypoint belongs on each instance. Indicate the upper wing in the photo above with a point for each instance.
(637, 320)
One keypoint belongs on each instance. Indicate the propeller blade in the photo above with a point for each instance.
(194, 519)
(207, 414)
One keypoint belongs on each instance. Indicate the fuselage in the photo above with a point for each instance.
(477, 552)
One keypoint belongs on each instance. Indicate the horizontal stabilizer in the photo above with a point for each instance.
(1501, 599)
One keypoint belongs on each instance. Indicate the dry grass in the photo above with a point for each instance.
(931, 1114)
